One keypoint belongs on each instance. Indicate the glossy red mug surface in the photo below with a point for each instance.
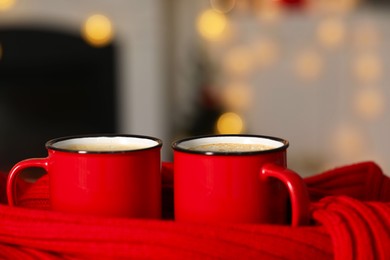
(120, 178)
(237, 186)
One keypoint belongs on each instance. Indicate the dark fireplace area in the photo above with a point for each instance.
(52, 84)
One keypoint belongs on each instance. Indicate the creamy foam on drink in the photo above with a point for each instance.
(231, 147)
(105, 144)
(102, 147)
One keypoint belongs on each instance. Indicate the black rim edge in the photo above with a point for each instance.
(175, 144)
(49, 144)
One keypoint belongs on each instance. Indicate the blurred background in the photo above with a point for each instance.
(311, 71)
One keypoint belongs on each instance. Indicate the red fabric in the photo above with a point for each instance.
(359, 230)
(363, 181)
(350, 212)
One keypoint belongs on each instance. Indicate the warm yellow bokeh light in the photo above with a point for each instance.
(237, 96)
(6, 4)
(266, 52)
(348, 142)
(368, 68)
(230, 123)
(369, 103)
(238, 61)
(309, 65)
(367, 36)
(268, 11)
(98, 30)
(212, 25)
(331, 32)
(223, 6)
(334, 6)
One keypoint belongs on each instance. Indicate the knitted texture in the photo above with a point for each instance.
(350, 216)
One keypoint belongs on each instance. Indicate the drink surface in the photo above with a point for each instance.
(231, 147)
(104, 144)
(102, 147)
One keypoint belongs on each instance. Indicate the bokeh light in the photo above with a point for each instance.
(212, 25)
(230, 123)
(223, 6)
(334, 6)
(237, 96)
(367, 68)
(309, 65)
(6, 4)
(369, 103)
(268, 11)
(266, 52)
(331, 32)
(98, 30)
(238, 61)
(348, 142)
(366, 36)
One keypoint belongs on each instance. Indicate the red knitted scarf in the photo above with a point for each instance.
(350, 215)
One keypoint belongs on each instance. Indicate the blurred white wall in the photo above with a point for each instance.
(317, 78)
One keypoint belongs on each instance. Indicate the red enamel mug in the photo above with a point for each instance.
(237, 179)
(108, 175)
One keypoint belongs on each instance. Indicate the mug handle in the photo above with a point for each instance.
(16, 170)
(299, 195)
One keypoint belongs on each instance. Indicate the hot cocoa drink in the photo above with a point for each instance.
(231, 147)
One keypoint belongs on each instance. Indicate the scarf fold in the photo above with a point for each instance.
(350, 212)
(359, 230)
